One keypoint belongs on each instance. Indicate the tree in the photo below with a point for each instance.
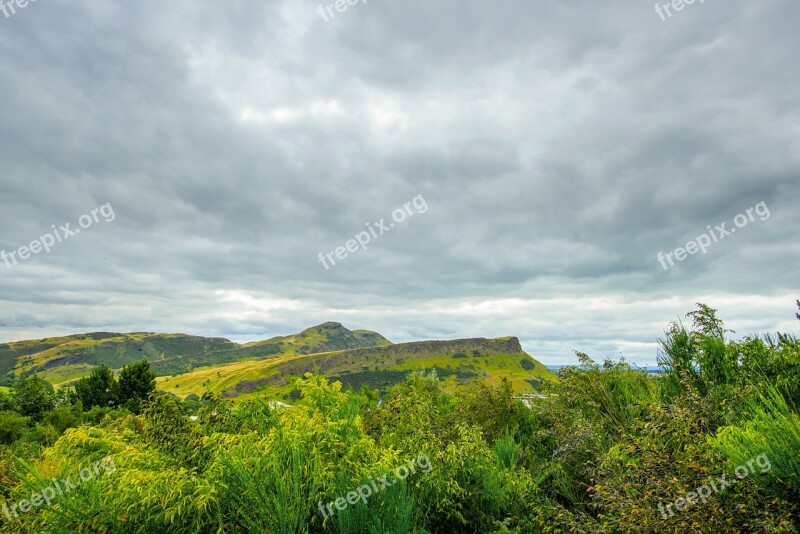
(6, 402)
(12, 426)
(97, 389)
(33, 396)
(136, 382)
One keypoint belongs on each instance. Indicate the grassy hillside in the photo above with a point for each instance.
(16, 353)
(193, 365)
(377, 367)
(61, 360)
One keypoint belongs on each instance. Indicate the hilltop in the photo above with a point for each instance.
(324, 338)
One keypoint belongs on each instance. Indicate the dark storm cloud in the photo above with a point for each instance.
(559, 146)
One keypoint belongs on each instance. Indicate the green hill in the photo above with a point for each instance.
(193, 364)
(456, 362)
(64, 359)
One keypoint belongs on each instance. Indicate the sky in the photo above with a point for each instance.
(510, 168)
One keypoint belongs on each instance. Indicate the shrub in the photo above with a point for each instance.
(136, 382)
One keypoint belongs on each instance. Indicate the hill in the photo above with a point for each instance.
(456, 362)
(187, 365)
(61, 360)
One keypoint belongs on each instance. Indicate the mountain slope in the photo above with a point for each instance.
(65, 358)
(188, 365)
(61, 360)
(457, 361)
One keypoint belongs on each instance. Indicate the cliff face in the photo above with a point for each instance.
(481, 346)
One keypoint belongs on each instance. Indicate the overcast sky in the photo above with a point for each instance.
(558, 147)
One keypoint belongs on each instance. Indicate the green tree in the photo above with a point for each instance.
(97, 389)
(33, 396)
(12, 426)
(136, 382)
(5, 402)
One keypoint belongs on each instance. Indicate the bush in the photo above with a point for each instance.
(98, 389)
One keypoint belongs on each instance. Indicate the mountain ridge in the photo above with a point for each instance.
(190, 364)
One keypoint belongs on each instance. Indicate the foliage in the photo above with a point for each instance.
(136, 382)
(98, 389)
(606, 451)
(12, 426)
(769, 427)
(32, 396)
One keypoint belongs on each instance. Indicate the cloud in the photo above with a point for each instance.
(560, 149)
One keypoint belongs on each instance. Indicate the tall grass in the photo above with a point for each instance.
(391, 511)
(268, 494)
(617, 393)
(770, 428)
(507, 450)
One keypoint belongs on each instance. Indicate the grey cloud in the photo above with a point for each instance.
(560, 147)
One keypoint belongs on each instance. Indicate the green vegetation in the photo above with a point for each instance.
(32, 397)
(136, 383)
(601, 452)
(98, 389)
